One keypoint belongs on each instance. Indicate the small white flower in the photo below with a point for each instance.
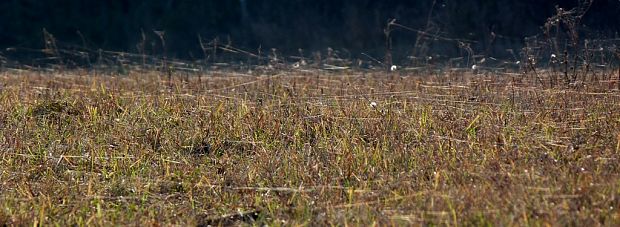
(393, 68)
(373, 104)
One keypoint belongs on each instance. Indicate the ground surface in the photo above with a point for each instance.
(312, 148)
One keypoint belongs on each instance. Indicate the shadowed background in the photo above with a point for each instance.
(351, 26)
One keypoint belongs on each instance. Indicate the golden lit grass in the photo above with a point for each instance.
(306, 148)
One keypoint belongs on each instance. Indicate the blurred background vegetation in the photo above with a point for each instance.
(352, 26)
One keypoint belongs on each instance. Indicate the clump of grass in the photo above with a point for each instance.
(301, 149)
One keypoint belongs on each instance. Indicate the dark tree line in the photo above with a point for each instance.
(352, 25)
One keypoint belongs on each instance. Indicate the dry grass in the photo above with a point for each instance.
(306, 148)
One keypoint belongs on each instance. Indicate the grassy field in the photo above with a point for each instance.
(307, 148)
